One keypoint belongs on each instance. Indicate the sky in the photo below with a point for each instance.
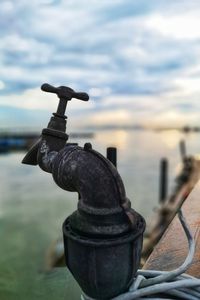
(138, 60)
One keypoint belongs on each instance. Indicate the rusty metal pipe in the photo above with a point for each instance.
(94, 178)
(103, 237)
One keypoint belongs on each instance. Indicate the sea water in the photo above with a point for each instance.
(33, 208)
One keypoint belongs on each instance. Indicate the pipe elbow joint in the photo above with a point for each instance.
(103, 208)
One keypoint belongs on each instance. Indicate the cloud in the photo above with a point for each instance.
(135, 58)
(184, 26)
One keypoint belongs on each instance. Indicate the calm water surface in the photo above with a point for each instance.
(33, 208)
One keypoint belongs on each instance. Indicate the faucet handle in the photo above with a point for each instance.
(64, 92)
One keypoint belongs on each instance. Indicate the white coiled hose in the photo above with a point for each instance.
(176, 283)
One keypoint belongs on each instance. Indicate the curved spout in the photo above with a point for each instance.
(99, 185)
(92, 176)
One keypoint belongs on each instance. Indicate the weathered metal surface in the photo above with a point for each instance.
(170, 252)
(57, 124)
(103, 237)
(104, 230)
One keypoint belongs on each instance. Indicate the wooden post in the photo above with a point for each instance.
(163, 180)
(172, 249)
(112, 155)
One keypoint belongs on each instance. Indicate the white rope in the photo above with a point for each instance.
(150, 283)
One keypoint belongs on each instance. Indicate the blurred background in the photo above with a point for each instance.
(139, 62)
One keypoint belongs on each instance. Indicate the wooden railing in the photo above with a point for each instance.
(172, 249)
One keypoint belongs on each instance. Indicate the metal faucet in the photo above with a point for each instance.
(103, 237)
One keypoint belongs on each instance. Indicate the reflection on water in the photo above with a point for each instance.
(118, 138)
(170, 138)
(33, 208)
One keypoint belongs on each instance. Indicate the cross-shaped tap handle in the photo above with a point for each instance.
(65, 94)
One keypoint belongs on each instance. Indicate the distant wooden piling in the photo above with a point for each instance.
(163, 180)
(112, 155)
(182, 149)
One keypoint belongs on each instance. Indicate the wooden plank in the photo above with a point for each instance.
(172, 249)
